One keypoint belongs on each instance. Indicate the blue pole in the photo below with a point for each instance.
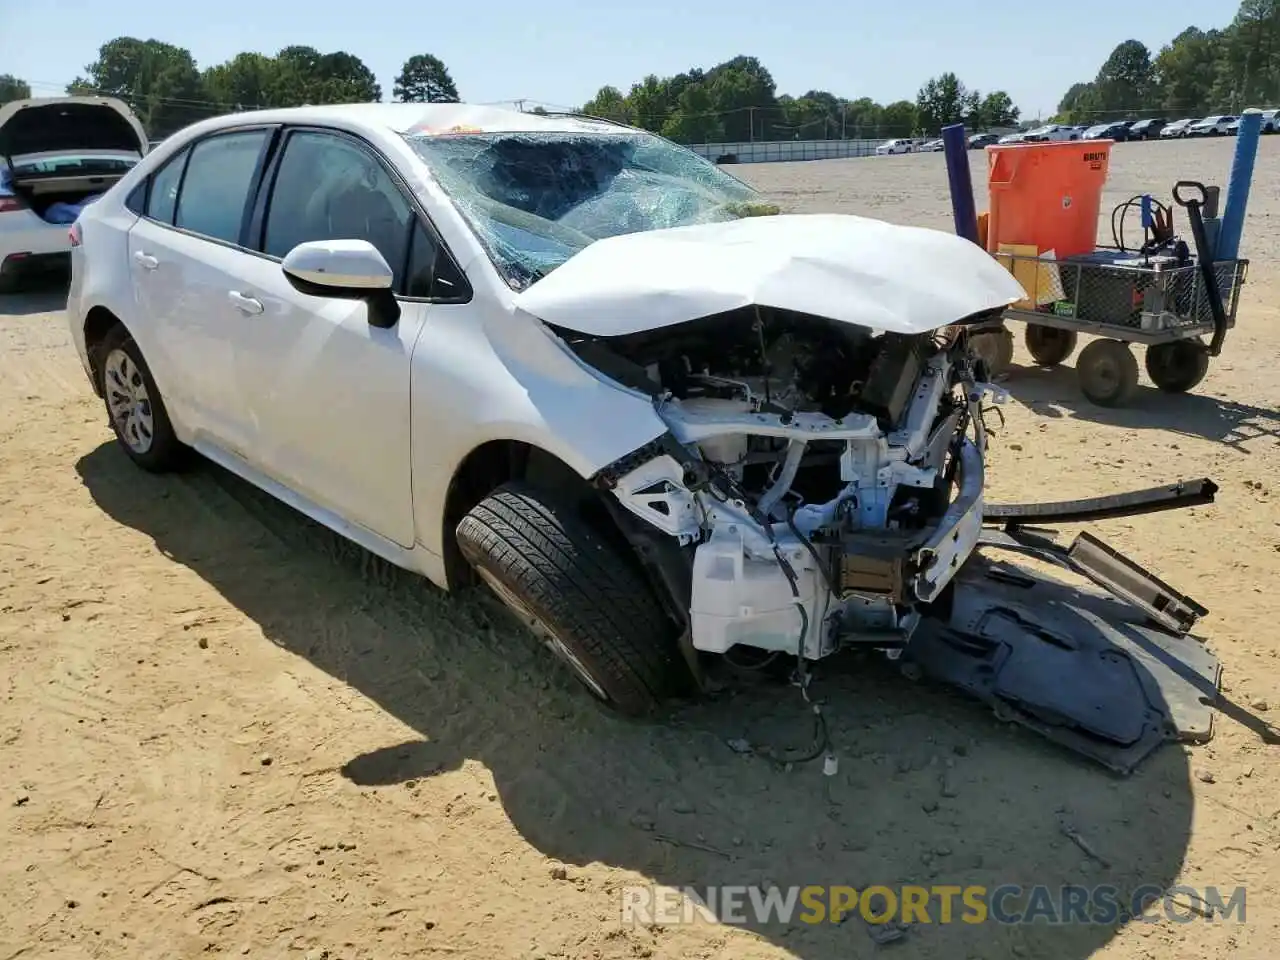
(956, 148)
(1232, 226)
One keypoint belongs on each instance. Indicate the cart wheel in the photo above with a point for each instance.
(1108, 372)
(1049, 346)
(1004, 351)
(996, 348)
(1178, 366)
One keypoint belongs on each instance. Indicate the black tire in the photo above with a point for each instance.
(1108, 373)
(594, 604)
(1178, 366)
(165, 451)
(1049, 346)
(1004, 351)
(995, 347)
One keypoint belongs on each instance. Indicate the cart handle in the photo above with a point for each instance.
(1192, 185)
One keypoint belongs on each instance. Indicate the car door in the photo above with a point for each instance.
(327, 393)
(182, 253)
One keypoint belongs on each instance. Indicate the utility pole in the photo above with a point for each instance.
(751, 114)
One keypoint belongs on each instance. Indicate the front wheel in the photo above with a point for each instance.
(1049, 346)
(1108, 372)
(1177, 366)
(135, 408)
(995, 347)
(578, 593)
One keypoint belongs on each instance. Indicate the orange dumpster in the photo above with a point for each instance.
(1046, 194)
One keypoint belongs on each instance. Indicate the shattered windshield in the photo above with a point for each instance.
(536, 199)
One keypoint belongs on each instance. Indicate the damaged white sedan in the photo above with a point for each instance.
(657, 418)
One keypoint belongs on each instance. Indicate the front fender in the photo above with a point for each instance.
(508, 377)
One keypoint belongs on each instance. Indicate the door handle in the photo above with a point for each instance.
(146, 260)
(244, 304)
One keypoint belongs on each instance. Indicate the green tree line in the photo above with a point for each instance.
(167, 89)
(1198, 73)
(738, 101)
(735, 100)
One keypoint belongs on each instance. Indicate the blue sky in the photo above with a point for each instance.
(560, 52)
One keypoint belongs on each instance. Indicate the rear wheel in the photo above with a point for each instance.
(578, 593)
(1108, 372)
(1178, 366)
(1049, 346)
(135, 408)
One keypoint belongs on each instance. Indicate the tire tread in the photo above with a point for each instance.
(577, 582)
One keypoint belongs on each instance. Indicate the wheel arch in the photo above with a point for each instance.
(487, 467)
(666, 565)
(99, 322)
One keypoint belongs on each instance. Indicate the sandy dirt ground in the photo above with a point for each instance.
(223, 734)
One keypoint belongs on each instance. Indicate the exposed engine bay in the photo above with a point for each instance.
(826, 479)
(820, 481)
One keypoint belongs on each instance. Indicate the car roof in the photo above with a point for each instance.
(419, 118)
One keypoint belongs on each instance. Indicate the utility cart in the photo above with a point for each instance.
(1179, 306)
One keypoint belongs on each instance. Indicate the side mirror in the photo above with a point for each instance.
(348, 270)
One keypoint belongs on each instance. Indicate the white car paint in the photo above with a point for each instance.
(364, 428)
(1177, 128)
(855, 269)
(895, 146)
(24, 234)
(1215, 126)
(1051, 133)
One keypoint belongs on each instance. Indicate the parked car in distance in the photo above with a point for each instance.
(895, 146)
(1107, 131)
(932, 146)
(1051, 132)
(1148, 129)
(1013, 138)
(56, 154)
(1177, 128)
(1268, 124)
(980, 140)
(1215, 126)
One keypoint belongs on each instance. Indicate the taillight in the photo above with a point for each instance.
(74, 234)
(10, 204)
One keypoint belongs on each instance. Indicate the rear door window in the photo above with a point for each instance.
(163, 199)
(215, 189)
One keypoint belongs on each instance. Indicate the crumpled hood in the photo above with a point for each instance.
(853, 269)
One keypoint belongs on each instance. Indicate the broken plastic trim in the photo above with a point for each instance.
(1193, 493)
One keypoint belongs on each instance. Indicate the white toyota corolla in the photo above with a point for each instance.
(657, 418)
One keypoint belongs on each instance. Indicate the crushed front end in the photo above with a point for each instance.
(820, 487)
(824, 480)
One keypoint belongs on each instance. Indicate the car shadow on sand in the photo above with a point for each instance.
(930, 788)
(43, 292)
(1054, 393)
(34, 300)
